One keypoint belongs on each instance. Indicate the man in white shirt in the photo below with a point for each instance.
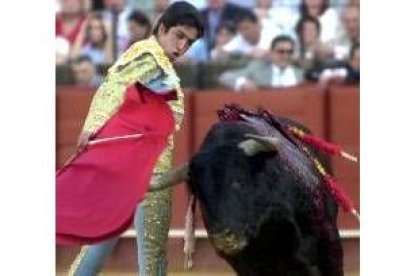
(253, 39)
(215, 14)
(349, 33)
(275, 71)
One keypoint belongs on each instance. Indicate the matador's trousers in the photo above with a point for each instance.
(152, 221)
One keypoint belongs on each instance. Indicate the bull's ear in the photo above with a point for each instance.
(170, 178)
(257, 144)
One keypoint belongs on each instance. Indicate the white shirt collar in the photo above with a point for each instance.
(283, 77)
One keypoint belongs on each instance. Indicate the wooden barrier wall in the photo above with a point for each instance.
(343, 129)
(332, 114)
(71, 109)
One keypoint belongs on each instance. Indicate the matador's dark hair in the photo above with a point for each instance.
(181, 13)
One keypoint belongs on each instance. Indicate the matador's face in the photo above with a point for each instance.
(176, 40)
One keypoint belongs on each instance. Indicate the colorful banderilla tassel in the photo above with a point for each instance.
(321, 144)
(189, 233)
(336, 190)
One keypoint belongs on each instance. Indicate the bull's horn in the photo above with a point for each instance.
(170, 178)
(258, 144)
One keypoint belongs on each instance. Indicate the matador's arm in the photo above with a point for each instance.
(110, 95)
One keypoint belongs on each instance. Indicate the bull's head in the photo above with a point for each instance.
(250, 147)
(224, 180)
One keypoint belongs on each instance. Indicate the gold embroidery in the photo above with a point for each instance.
(79, 258)
(156, 224)
(144, 61)
(104, 104)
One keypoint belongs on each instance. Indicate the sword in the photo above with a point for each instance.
(105, 140)
(116, 138)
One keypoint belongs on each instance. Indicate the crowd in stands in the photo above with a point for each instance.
(285, 42)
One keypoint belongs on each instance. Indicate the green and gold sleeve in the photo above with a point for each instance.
(110, 95)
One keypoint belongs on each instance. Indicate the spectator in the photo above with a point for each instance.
(116, 12)
(96, 5)
(69, 20)
(216, 13)
(339, 5)
(84, 72)
(199, 4)
(62, 49)
(310, 49)
(277, 71)
(263, 9)
(340, 71)
(145, 6)
(292, 5)
(94, 41)
(225, 33)
(353, 65)
(249, 4)
(253, 39)
(139, 27)
(272, 15)
(349, 34)
(328, 17)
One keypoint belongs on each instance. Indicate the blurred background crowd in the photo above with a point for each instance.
(248, 44)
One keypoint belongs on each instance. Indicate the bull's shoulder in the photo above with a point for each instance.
(320, 155)
(293, 123)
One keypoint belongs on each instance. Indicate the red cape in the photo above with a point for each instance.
(98, 191)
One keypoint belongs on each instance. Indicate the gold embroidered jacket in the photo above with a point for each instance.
(144, 62)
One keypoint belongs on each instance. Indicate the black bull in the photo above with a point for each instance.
(266, 211)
